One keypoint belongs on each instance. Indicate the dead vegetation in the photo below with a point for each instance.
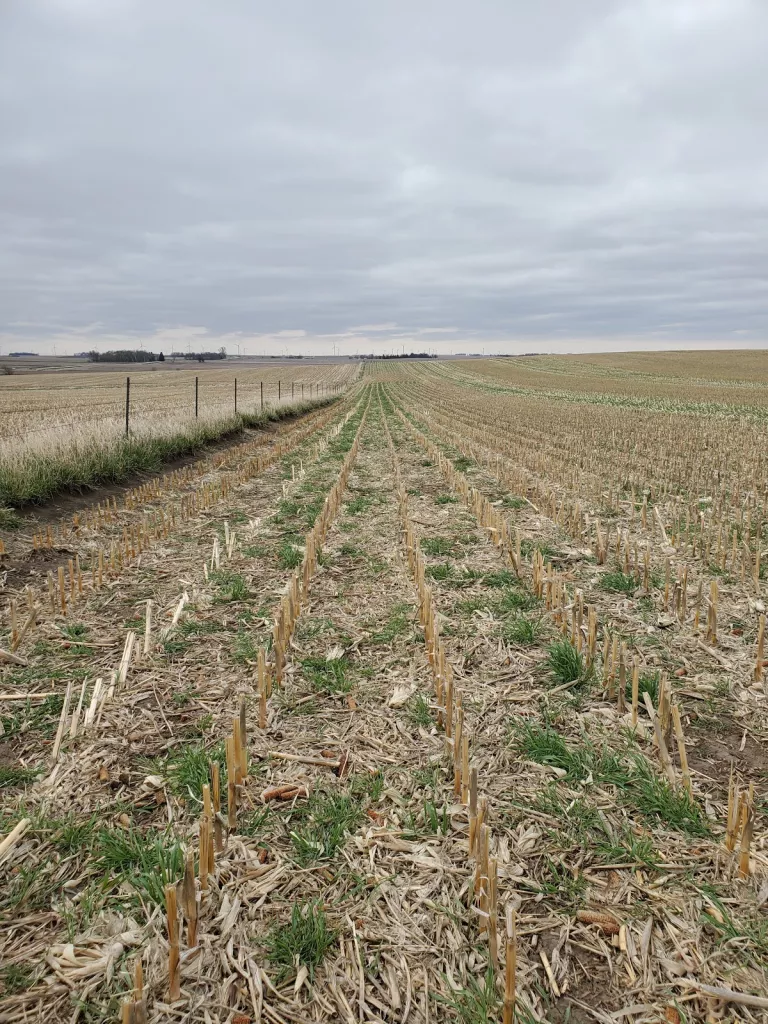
(352, 727)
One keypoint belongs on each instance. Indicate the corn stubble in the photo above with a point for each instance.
(560, 748)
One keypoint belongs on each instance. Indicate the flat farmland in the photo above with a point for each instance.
(444, 701)
(701, 382)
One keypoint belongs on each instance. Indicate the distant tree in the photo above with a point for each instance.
(124, 355)
(202, 357)
(161, 358)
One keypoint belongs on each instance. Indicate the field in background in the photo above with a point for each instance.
(54, 426)
(711, 382)
(446, 703)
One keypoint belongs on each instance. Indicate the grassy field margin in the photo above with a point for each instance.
(41, 478)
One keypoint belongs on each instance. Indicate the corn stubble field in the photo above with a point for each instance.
(445, 701)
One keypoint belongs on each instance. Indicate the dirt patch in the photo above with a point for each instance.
(34, 564)
(712, 753)
(592, 984)
(9, 755)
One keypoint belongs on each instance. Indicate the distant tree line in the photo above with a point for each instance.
(407, 355)
(137, 355)
(125, 355)
(200, 357)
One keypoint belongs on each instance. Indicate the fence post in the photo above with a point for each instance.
(302, 391)
(235, 396)
(127, 402)
(278, 392)
(292, 385)
(262, 396)
(195, 397)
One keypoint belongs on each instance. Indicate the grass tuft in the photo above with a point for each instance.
(73, 835)
(479, 1003)
(9, 520)
(502, 578)
(327, 676)
(523, 631)
(618, 582)
(303, 941)
(358, 505)
(147, 861)
(198, 627)
(11, 775)
(244, 648)
(42, 716)
(527, 547)
(16, 978)
(513, 501)
(515, 599)
(632, 774)
(437, 545)
(232, 586)
(187, 768)
(289, 556)
(441, 571)
(655, 798)
(397, 624)
(581, 823)
(545, 745)
(750, 933)
(559, 882)
(646, 684)
(565, 662)
(351, 551)
(367, 784)
(326, 820)
(418, 710)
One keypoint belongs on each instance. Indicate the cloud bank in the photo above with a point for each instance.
(306, 176)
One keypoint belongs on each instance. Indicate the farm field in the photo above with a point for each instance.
(57, 428)
(709, 382)
(445, 701)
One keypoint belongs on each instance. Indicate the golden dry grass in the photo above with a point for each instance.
(67, 429)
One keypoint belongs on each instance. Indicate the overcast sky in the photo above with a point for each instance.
(560, 175)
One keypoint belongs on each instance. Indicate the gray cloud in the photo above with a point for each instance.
(564, 173)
